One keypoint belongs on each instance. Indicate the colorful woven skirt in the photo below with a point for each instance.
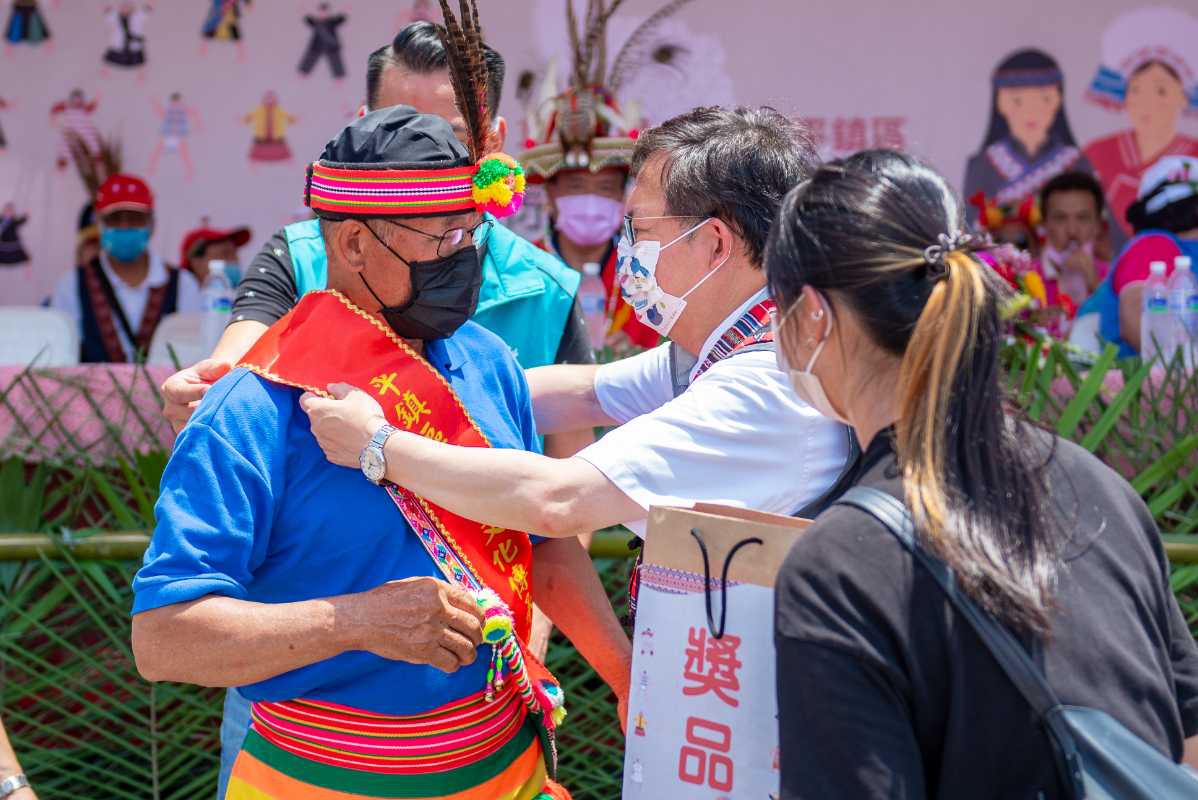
(469, 750)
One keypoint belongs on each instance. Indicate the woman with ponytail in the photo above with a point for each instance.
(887, 322)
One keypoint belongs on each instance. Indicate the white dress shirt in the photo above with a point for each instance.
(738, 435)
(132, 298)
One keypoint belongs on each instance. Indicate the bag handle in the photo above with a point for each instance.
(1006, 649)
(718, 631)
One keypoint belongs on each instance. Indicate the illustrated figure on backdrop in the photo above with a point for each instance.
(12, 253)
(325, 42)
(127, 34)
(73, 117)
(421, 11)
(4, 106)
(269, 123)
(177, 121)
(1149, 70)
(26, 25)
(1028, 141)
(223, 24)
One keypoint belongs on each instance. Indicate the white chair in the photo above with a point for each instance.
(183, 334)
(1084, 334)
(44, 337)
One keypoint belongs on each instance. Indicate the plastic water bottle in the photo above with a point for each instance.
(218, 304)
(1183, 307)
(592, 299)
(1157, 338)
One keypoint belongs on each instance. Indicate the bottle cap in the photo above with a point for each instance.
(1182, 262)
(1158, 267)
(591, 268)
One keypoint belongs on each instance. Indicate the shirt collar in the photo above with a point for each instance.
(157, 276)
(762, 294)
(446, 354)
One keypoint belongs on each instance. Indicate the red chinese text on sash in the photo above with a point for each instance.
(327, 339)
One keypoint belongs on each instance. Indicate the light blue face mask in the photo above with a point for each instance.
(124, 244)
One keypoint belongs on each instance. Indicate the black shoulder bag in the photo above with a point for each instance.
(1096, 756)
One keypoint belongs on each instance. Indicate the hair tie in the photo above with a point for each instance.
(936, 254)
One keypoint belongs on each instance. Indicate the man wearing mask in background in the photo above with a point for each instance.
(119, 297)
(1071, 206)
(203, 246)
(527, 297)
(581, 155)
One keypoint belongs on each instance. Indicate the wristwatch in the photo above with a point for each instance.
(372, 460)
(11, 784)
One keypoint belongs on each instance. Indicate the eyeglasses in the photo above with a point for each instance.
(453, 239)
(630, 234)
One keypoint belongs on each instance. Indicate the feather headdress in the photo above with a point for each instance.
(499, 182)
(584, 127)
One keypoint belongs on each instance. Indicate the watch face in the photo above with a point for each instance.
(373, 466)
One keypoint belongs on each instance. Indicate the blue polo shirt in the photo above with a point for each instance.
(250, 508)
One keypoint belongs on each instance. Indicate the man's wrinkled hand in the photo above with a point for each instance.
(418, 620)
(344, 423)
(182, 392)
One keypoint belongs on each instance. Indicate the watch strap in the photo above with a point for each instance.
(12, 784)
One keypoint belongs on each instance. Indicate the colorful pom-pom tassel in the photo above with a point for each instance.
(497, 618)
(499, 185)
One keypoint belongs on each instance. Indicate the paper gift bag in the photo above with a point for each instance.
(702, 715)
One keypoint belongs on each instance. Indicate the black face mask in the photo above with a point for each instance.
(444, 294)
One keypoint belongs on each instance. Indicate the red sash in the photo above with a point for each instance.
(327, 339)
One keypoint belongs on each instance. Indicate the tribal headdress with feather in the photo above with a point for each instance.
(584, 127)
(399, 162)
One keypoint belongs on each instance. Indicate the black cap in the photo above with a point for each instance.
(397, 137)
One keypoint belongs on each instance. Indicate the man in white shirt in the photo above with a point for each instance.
(119, 298)
(709, 417)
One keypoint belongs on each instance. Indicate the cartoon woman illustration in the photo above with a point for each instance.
(178, 118)
(12, 252)
(269, 122)
(1028, 141)
(26, 24)
(127, 35)
(223, 23)
(1148, 70)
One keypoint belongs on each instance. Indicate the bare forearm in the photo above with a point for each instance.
(563, 398)
(568, 590)
(237, 340)
(9, 765)
(509, 488)
(221, 641)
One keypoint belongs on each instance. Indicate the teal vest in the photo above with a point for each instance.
(525, 298)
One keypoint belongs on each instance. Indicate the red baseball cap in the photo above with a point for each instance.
(207, 236)
(124, 193)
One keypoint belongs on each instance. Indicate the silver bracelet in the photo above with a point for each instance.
(12, 784)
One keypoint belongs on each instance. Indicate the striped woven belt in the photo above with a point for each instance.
(443, 739)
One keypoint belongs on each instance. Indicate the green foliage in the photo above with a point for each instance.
(86, 725)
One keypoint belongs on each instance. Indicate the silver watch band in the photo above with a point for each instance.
(11, 784)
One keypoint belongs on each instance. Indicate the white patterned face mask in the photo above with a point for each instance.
(637, 272)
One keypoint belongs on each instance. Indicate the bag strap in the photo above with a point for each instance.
(1006, 649)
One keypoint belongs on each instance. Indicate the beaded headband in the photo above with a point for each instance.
(495, 185)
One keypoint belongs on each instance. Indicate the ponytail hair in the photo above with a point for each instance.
(863, 231)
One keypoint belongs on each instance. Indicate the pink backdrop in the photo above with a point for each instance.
(868, 72)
